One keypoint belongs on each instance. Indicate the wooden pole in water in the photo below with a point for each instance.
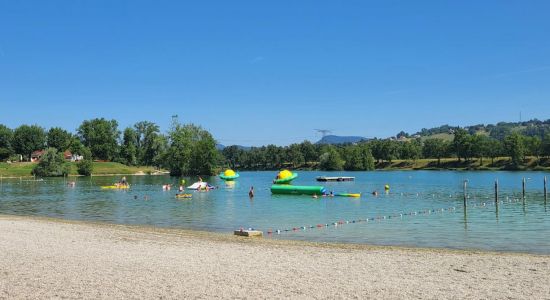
(465, 184)
(545, 193)
(496, 192)
(523, 188)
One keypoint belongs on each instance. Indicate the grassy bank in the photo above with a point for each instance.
(501, 163)
(100, 168)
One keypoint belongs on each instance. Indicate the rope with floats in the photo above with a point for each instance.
(388, 217)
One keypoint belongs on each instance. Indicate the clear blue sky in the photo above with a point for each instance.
(254, 72)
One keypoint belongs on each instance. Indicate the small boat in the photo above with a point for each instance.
(114, 186)
(179, 196)
(338, 178)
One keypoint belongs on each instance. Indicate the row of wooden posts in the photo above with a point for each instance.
(522, 190)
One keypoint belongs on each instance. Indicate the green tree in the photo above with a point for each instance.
(295, 156)
(330, 160)
(546, 145)
(100, 136)
(462, 144)
(6, 138)
(51, 164)
(411, 149)
(76, 146)
(309, 152)
(389, 149)
(192, 151)
(27, 139)
(366, 156)
(533, 146)
(435, 148)
(147, 143)
(513, 145)
(232, 155)
(494, 149)
(128, 149)
(58, 138)
(353, 158)
(85, 166)
(480, 146)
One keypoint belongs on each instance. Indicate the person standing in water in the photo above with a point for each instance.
(251, 192)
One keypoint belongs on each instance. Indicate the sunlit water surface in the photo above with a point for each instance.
(422, 208)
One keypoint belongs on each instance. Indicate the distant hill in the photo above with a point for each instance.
(336, 139)
(221, 147)
(498, 131)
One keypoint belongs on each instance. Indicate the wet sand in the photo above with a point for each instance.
(47, 258)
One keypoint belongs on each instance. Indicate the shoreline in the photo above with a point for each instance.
(230, 237)
(46, 257)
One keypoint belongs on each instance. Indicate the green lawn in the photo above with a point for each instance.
(100, 168)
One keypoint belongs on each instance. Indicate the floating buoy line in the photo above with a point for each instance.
(381, 218)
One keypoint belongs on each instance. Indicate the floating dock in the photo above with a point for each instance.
(339, 178)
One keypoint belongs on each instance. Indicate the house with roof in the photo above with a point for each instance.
(37, 155)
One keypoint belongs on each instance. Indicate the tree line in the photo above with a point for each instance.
(187, 149)
(184, 150)
(464, 146)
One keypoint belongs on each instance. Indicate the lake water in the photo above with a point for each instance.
(422, 208)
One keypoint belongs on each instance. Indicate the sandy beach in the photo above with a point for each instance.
(45, 258)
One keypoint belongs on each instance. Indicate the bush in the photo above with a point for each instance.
(51, 164)
(84, 167)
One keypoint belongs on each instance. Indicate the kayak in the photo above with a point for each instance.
(297, 189)
(355, 195)
(229, 178)
(118, 187)
(184, 195)
(286, 180)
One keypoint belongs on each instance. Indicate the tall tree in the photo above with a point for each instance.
(6, 138)
(513, 144)
(546, 145)
(147, 142)
(309, 151)
(27, 139)
(330, 160)
(461, 144)
(100, 136)
(494, 149)
(435, 148)
(366, 155)
(128, 149)
(353, 158)
(59, 139)
(192, 151)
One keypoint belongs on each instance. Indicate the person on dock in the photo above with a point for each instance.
(251, 192)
